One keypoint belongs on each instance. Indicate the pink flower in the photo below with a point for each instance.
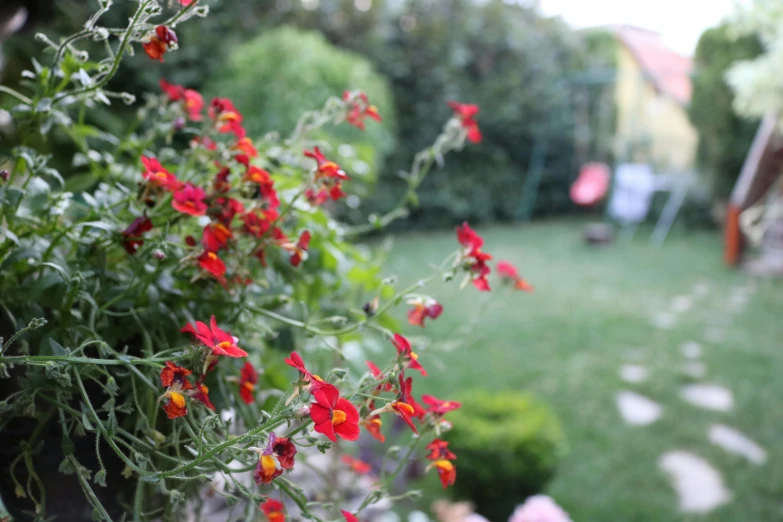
(539, 508)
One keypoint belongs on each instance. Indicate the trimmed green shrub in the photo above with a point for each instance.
(508, 446)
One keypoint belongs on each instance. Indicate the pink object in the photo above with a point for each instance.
(539, 508)
(591, 185)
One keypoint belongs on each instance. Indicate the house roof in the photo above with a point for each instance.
(668, 71)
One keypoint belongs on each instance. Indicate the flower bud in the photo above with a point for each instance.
(4, 175)
(157, 254)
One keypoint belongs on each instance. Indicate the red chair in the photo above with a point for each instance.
(591, 185)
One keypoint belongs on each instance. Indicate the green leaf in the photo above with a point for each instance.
(100, 478)
(58, 349)
(109, 227)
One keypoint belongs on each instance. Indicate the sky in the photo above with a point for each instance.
(680, 22)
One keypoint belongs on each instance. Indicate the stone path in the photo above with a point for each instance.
(698, 484)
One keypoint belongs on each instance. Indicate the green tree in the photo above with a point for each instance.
(724, 136)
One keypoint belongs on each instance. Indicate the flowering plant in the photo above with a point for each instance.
(141, 314)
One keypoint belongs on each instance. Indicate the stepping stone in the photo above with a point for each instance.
(681, 303)
(695, 369)
(714, 334)
(701, 289)
(691, 350)
(699, 486)
(663, 320)
(735, 442)
(637, 409)
(708, 396)
(633, 373)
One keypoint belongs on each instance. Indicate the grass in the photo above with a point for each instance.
(591, 311)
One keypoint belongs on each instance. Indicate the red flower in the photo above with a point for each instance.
(210, 262)
(313, 381)
(466, 114)
(194, 102)
(405, 406)
(373, 425)
(247, 383)
(174, 92)
(446, 472)
(204, 141)
(376, 372)
(333, 414)
(439, 450)
(422, 309)
(258, 222)
(174, 378)
(215, 237)
(325, 168)
(273, 509)
(406, 354)
(245, 145)
(357, 465)
(229, 207)
(359, 108)
(225, 115)
(221, 183)
(438, 406)
(272, 461)
(157, 176)
(349, 517)
(201, 394)
(475, 258)
(190, 200)
(220, 342)
(317, 198)
(158, 43)
(299, 249)
(134, 232)
(509, 272)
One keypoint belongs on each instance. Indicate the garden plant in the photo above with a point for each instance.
(178, 322)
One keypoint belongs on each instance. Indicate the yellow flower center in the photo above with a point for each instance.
(250, 386)
(204, 388)
(338, 417)
(444, 465)
(414, 356)
(161, 175)
(178, 399)
(225, 345)
(317, 378)
(446, 404)
(268, 464)
(403, 407)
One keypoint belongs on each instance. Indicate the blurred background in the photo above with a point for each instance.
(629, 167)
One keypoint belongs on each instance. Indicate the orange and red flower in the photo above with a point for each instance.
(357, 465)
(407, 355)
(158, 43)
(157, 176)
(228, 208)
(447, 472)
(376, 372)
(246, 147)
(210, 262)
(190, 200)
(373, 425)
(325, 168)
(334, 415)
(439, 450)
(509, 273)
(439, 407)
(422, 309)
(220, 342)
(133, 234)
(174, 378)
(258, 222)
(201, 394)
(466, 113)
(215, 237)
(276, 458)
(359, 108)
(273, 509)
(247, 383)
(404, 406)
(226, 116)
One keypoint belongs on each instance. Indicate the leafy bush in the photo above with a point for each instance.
(141, 296)
(285, 69)
(724, 136)
(508, 446)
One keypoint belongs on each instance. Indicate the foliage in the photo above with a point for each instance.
(284, 57)
(509, 445)
(724, 137)
(757, 85)
(162, 267)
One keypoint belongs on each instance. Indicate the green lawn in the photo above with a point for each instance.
(591, 309)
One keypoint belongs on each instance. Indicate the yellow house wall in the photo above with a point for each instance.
(651, 127)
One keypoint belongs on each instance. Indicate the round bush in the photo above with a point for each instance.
(508, 446)
(272, 77)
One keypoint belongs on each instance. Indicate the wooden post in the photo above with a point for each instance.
(732, 236)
